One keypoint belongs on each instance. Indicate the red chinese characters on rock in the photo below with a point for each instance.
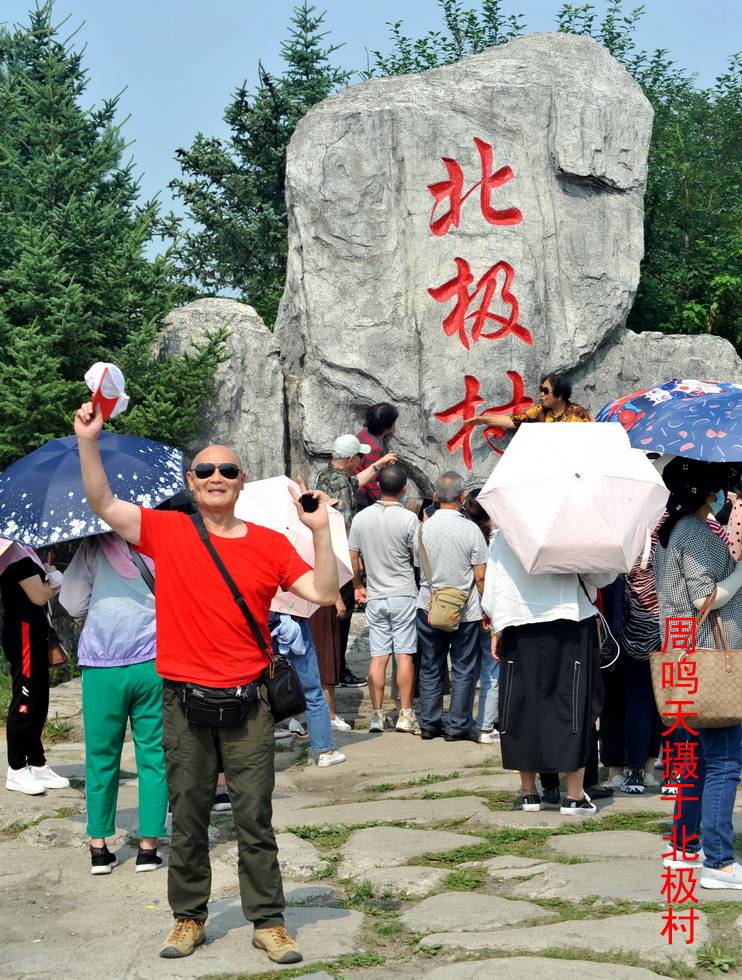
(467, 408)
(452, 190)
(458, 289)
(485, 308)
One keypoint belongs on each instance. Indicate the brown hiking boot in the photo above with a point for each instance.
(278, 944)
(185, 935)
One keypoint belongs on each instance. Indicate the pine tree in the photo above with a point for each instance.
(75, 282)
(233, 189)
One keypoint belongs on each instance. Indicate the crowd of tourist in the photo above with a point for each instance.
(449, 607)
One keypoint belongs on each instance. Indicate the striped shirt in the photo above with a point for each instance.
(641, 632)
(370, 492)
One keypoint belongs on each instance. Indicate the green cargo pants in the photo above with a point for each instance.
(193, 755)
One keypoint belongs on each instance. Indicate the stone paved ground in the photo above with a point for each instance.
(405, 862)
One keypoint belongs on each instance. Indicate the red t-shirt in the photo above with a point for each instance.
(202, 636)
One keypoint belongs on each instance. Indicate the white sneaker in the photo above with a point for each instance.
(340, 724)
(296, 727)
(376, 725)
(715, 878)
(615, 782)
(50, 779)
(24, 781)
(651, 781)
(407, 722)
(488, 738)
(333, 758)
(676, 863)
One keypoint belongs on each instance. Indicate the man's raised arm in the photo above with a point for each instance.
(120, 515)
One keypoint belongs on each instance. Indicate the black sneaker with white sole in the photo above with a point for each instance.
(634, 782)
(222, 803)
(147, 860)
(530, 803)
(102, 862)
(578, 808)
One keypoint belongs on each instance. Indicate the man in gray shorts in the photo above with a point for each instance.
(384, 536)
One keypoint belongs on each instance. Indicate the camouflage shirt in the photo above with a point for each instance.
(344, 488)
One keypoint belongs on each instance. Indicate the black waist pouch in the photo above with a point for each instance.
(216, 707)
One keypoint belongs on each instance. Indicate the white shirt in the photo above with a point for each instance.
(512, 597)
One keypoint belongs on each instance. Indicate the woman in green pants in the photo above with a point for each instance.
(105, 584)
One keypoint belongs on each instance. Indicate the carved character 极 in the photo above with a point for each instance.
(458, 289)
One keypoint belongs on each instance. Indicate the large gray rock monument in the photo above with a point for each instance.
(453, 235)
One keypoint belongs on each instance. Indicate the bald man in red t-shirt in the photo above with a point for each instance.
(202, 638)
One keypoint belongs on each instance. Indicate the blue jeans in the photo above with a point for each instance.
(465, 656)
(489, 673)
(318, 714)
(719, 766)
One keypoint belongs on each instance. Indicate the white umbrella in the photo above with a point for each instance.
(574, 497)
(269, 503)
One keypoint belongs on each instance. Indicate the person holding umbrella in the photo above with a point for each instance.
(550, 691)
(204, 644)
(26, 585)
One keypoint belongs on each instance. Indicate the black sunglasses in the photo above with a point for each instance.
(230, 471)
(545, 391)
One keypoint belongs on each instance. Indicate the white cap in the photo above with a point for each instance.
(348, 445)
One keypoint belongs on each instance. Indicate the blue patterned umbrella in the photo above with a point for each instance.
(682, 417)
(42, 501)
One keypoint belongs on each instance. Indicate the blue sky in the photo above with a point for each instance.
(180, 60)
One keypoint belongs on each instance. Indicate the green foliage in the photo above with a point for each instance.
(233, 189)
(717, 959)
(690, 281)
(467, 31)
(75, 283)
(465, 879)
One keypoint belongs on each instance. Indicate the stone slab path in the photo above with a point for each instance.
(408, 861)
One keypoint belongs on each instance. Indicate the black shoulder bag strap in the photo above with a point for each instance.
(231, 585)
(141, 566)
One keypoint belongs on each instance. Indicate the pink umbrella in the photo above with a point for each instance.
(574, 498)
(269, 503)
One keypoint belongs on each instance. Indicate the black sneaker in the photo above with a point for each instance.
(599, 792)
(102, 862)
(222, 803)
(634, 782)
(349, 679)
(530, 803)
(551, 796)
(147, 860)
(578, 808)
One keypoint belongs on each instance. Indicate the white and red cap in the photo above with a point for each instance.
(107, 385)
